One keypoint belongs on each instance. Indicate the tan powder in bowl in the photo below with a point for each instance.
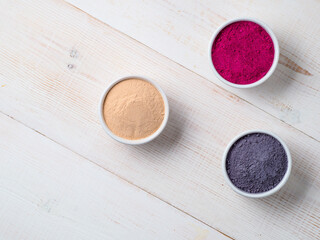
(133, 109)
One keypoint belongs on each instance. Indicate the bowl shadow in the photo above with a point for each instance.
(293, 193)
(167, 141)
(283, 75)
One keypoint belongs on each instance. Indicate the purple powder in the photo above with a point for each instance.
(256, 163)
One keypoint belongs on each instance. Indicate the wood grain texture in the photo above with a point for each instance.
(49, 192)
(55, 61)
(181, 30)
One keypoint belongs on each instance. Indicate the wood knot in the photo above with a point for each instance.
(74, 53)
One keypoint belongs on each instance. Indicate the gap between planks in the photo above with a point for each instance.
(131, 183)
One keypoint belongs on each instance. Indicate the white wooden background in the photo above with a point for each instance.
(62, 177)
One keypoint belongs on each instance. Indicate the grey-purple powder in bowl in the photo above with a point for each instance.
(256, 163)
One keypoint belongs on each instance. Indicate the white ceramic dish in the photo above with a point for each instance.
(263, 194)
(142, 140)
(276, 52)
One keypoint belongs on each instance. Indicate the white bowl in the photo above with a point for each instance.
(142, 140)
(275, 60)
(263, 194)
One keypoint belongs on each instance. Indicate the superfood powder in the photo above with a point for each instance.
(242, 52)
(133, 109)
(256, 163)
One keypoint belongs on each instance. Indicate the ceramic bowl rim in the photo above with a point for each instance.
(276, 52)
(137, 141)
(263, 194)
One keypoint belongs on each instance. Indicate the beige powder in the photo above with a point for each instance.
(133, 109)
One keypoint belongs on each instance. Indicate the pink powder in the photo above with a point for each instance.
(243, 52)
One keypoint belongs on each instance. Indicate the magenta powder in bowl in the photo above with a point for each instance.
(243, 52)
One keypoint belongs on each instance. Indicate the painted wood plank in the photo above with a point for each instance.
(181, 30)
(49, 192)
(55, 62)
